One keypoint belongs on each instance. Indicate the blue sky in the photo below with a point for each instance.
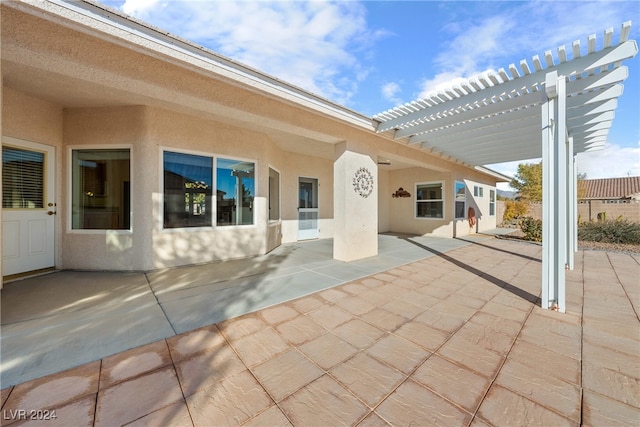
(374, 55)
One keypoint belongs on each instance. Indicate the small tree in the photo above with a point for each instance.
(582, 186)
(528, 181)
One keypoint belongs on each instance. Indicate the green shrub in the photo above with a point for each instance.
(618, 231)
(532, 229)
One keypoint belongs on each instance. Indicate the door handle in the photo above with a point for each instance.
(51, 213)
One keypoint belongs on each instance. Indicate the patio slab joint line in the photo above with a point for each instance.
(408, 376)
(504, 360)
(146, 278)
(621, 285)
(95, 405)
(582, 341)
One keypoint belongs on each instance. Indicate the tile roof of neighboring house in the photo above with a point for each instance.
(611, 188)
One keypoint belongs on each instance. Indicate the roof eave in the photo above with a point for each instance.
(110, 23)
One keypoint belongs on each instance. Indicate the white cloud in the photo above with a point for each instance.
(313, 45)
(138, 7)
(611, 162)
(511, 33)
(441, 81)
(390, 92)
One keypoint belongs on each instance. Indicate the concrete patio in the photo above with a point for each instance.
(430, 332)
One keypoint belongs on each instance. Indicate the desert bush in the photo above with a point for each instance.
(608, 231)
(532, 229)
(514, 209)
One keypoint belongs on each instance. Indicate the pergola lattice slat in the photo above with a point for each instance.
(444, 112)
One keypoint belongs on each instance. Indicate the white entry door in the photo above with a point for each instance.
(308, 209)
(28, 206)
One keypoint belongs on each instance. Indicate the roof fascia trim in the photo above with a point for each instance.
(495, 174)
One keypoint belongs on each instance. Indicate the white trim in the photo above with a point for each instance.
(416, 201)
(495, 195)
(161, 226)
(214, 200)
(279, 220)
(297, 207)
(255, 189)
(455, 193)
(97, 147)
(50, 195)
(35, 146)
(160, 218)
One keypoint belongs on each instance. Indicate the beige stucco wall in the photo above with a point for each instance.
(28, 118)
(149, 131)
(121, 127)
(484, 220)
(384, 200)
(185, 103)
(355, 176)
(404, 220)
(293, 166)
(173, 131)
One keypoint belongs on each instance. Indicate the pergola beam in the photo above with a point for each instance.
(523, 84)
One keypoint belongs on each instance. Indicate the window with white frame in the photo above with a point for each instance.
(235, 191)
(274, 195)
(23, 178)
(478, 191)
(429, 200)
(100, 189)
(460, 198)
(188, 188)
(492, 202)
(188, 191)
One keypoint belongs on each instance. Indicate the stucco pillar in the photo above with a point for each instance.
(355, 207)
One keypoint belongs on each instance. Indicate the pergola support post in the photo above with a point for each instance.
(554, 193)
(572, 205)
(575, 206)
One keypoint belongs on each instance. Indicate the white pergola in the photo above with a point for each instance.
(559, 107)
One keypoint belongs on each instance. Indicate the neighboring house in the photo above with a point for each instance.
(616, 197)
(610, 190)
(115, 136)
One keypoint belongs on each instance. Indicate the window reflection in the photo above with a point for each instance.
(187, 190)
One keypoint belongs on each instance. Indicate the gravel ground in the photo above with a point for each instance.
(583, 244)
(609, 247)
